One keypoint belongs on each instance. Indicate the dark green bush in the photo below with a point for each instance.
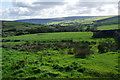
(82, 50)
(107, 46)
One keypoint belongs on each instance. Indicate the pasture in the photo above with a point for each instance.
(53, 36)
(107, 27)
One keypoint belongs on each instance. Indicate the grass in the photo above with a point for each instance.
(12, 43)
(82, 21)
(58, 65)
(41, 56)
(104, 63)
(19, 26)
(55, 62)
(53, 36)
(107, 27)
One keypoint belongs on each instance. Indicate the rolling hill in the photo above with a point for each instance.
(63, 49)
(11, 28)
(86, 23)
(101, 21)
(41, 21)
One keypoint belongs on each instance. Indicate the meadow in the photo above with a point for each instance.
(108, 27)
(53, 36)
(59, 54)
(31, 65)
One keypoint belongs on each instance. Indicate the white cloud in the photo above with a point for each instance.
(23, 9)
(5, 0)
(30, 1)
(0, 13)
(110, 9)
(99, 0)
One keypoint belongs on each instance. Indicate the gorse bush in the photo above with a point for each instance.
(107, 46)
(82, 50)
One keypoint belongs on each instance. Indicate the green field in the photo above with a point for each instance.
(54, 54)
(53, 36)
(107, 27)
(56, 61)
(83, 21)
(30, 65)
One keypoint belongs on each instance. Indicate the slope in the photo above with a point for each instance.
(48, 20)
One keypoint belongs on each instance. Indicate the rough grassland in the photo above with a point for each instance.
(31, 65)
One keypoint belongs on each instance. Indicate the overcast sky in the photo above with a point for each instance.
(27, 9)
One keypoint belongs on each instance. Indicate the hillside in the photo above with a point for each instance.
(90, 22)
(82, 21)
(105, 19)
(11, 28)
(42, 21)
(63, 49)
(7, 25)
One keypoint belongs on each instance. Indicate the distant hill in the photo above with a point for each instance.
(42, 21)
(12, 28)
(108, 21)
(109, 18)
(80, 24)
(99, 21)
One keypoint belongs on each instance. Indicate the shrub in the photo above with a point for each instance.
(82, 51)
(106, 46)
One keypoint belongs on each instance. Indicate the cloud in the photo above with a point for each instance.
(23, 9)
(0, 13)
(20, 4)
(27, 1)
(37, 4)
(106, 9)
(98, 9)
(49, 3)
(99, 1)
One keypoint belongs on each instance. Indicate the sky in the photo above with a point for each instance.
(28, 9)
